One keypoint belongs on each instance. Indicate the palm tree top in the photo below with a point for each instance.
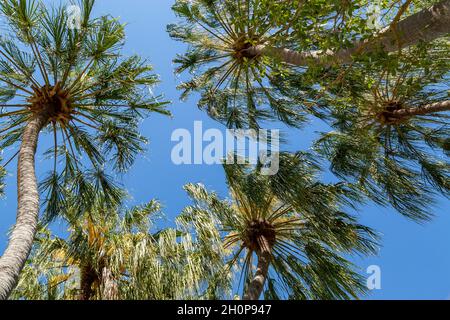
(302, 225)
(391, 132)
(233, 80)
(74, 78)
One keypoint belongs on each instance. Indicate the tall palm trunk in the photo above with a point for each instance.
(22, 235)
(110, 290)
(256, 286)
(426, 25)
(440, 106)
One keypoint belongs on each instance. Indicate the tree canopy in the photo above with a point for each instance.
(298, 222)
(377, 74)
(374, 74)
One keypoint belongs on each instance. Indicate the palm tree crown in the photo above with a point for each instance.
(297, 231)
(91, 99)
(391, 134)
(239, 50)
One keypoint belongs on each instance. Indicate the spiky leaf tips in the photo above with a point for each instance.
(383, 85)
(92, 99)
(297, 231)
(239, 50)
(117, 253)
(392, 133)
(234, 79)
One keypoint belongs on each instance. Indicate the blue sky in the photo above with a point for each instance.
(414, 259)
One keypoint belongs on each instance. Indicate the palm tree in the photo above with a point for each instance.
(111, 254)
(392, 133)
(238, 49)
(426, 23)
(292, 224)
(73, 83)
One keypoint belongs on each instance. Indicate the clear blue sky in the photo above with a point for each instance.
(414, 259)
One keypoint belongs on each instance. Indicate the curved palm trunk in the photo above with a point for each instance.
(110, 290)
(22, 235)
(440, 106)
(426, 25)
(256, 286)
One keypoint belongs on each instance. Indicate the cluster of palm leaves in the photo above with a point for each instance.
(111, 253)
(383, 93)
(299, 235)
(384, 140)
(387, 107)
(92, 98)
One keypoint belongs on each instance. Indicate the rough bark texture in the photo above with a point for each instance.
(88, 276)
(110, 290)
(426, 25)
(256, 286)
(427, 109)
(22, 235)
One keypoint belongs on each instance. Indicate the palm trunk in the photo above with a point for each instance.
(22, 235)
(440, 106)
(88, 276)
(286, 55)
(256, 286)
(426, 25)
(110, 290)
